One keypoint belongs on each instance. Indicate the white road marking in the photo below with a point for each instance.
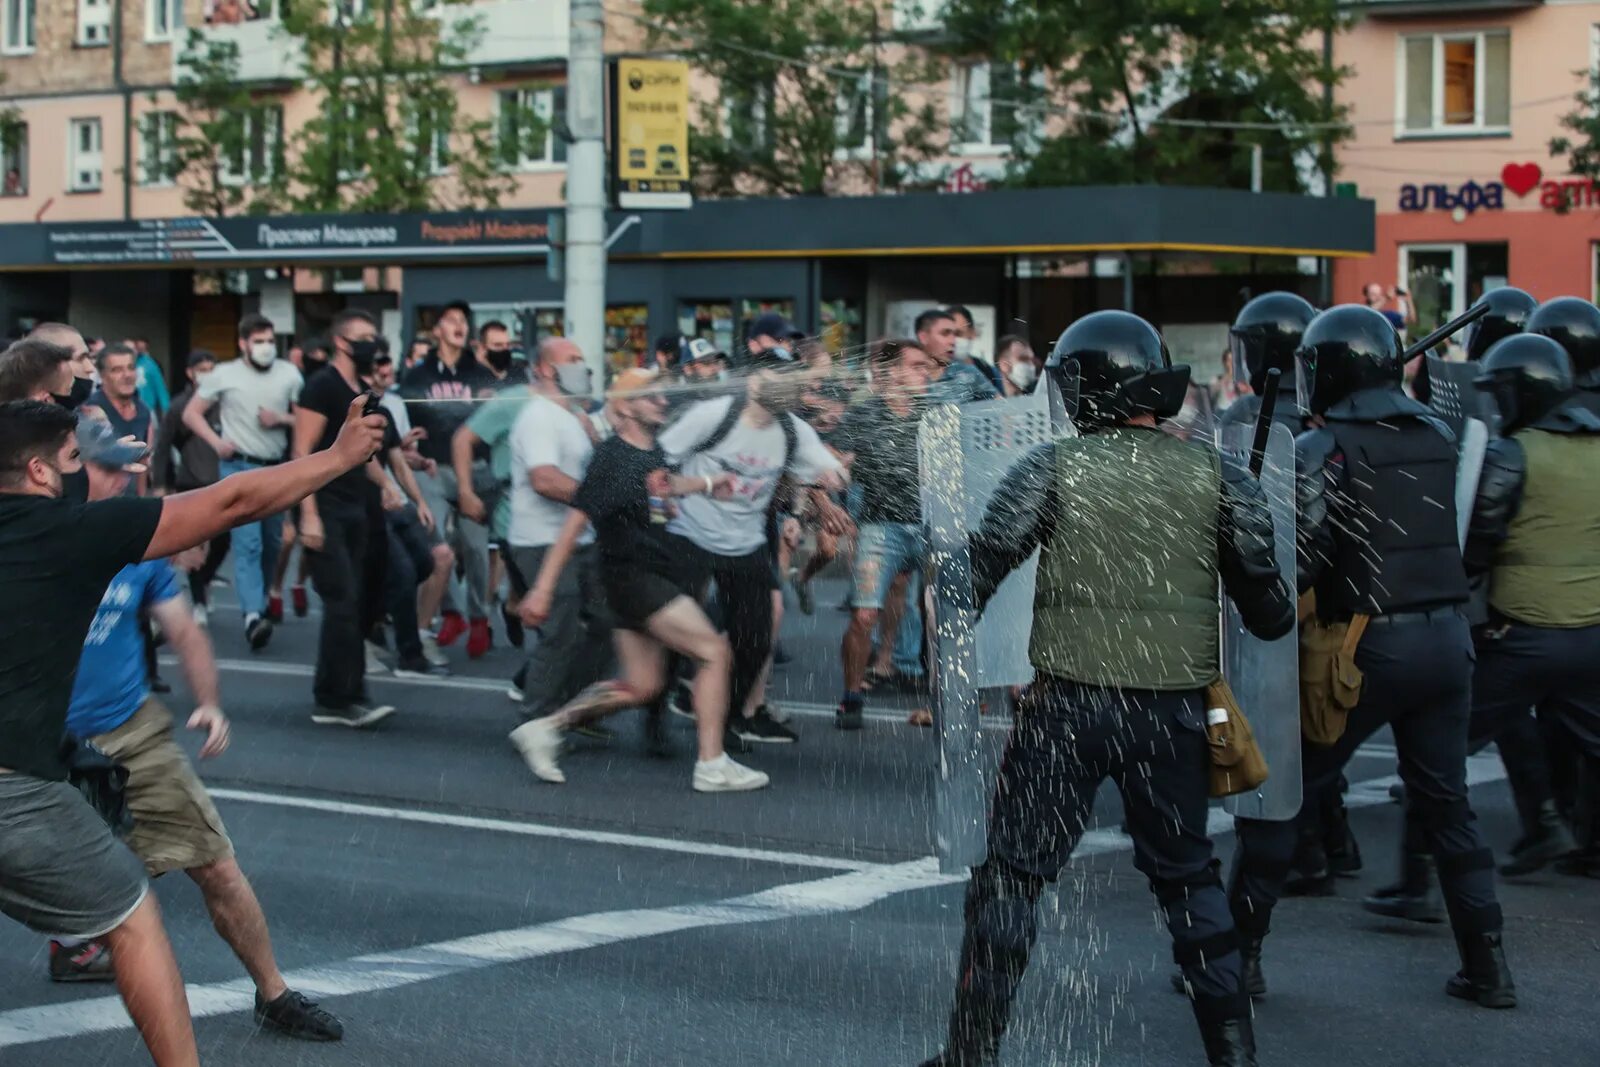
(403, 967)
(700, 849)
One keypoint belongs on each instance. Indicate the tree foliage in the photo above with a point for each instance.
(1581, 143)
(806, 100)
(1105, 89)
(386, 133)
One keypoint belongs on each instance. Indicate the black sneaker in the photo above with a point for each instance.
(294, 1015)
(681, 702)
(420, 668)
(88, 962)
(762, 729)
(732, 742)
(849, 715)
(780, 655)
(354, 716)
(258, 631)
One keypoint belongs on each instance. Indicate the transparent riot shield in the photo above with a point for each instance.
(1472, 417)
(1265, 675)
(965, 452)
(1469, 468)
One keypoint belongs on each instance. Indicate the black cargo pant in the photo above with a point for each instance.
(1418, 681)
(338, 573)
(1069, 738)
(410, 564)
(1524, 671)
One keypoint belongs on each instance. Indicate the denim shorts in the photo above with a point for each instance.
(884, 551)
(62, 874)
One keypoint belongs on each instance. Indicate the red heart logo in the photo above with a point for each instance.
(1521, 178)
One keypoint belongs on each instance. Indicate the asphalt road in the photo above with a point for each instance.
(453, 911)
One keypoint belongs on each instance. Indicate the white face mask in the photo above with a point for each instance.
(963, 348)
(262, 353)
(573, 379)
(1023, 375)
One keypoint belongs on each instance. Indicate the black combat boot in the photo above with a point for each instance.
(1229, 1042)
(1484, 976)
(1310, 874)
(1547, 841)
(1414, 897)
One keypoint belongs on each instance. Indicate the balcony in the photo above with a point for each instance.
(1413, 8)
(515, 32)
(266, 54)
(918, 16)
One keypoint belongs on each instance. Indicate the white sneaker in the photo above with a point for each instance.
(514, 693)
(430, 650)
(723, 775)
(375, 664)
(201, 616)
(540, 743)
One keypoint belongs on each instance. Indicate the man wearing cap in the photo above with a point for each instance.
(175, 825)
(756, 436)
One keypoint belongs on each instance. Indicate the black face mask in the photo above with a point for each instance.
(75, 486)
(499, 358)
(364, 353)
(81, 388)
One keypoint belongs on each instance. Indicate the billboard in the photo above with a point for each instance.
(650, 133)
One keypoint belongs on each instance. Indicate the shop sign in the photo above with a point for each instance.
(1518, 179)
(651, 130)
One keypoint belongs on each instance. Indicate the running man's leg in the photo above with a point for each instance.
(684, 628)
(151, 987)
(239, 921)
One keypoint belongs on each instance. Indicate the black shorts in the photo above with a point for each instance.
(634, 594)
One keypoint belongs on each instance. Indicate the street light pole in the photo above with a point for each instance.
(586, 185)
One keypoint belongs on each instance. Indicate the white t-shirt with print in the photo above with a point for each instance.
(240, 391)
(738, 526)
(545, 435)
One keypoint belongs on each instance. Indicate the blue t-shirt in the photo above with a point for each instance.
(111, 682)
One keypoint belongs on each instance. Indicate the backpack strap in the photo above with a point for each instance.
(725, 427)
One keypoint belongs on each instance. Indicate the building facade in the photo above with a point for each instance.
(1454, 106)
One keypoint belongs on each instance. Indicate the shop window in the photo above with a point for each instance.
(161, 18)
(14, 159)
(1443, 280)
(158, 149)
(627, 335)
(94, 23)
(521, 112)
(19, 34)
(1455, 83)
(853, 126)
(710, 319)
(83, 156)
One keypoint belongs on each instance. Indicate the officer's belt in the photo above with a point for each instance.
(1402, 617)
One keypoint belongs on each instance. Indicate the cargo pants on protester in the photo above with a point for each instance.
(573, 647)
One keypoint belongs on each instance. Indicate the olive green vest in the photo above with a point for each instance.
(1547, 573)
(1127, 590)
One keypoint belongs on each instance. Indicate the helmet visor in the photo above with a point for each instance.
(1238, 348)
(1305, 375)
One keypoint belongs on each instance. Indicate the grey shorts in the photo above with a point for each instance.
(62, 874)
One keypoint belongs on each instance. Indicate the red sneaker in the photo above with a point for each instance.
(480, 639)
(302, 603)
(452, 627)
(88, 962)
(275, 608)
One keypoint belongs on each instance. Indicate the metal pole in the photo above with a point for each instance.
(1255, 168)
(586, 186)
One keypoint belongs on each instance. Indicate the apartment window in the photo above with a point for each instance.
(1455, 83)
(94, 23)
(19, 34)
(14, 159)
(83, 156)
(521, 110)
(256, 158)
(746, 111)
(430, 135)
(853, 126)
(347, 11)
(158, 149)
(160, 19)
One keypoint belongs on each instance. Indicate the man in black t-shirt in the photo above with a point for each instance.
(336, 524)
(879, 441)
(61, 871)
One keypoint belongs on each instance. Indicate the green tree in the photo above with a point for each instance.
(225, 141)
(1112, 93)
(388, 135)
(1581, 144)
(808, 98)
(13, 131)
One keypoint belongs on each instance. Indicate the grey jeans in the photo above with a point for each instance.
(573, 647)
(469, 540)
(62, 873)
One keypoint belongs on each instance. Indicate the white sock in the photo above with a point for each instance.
(710, 764)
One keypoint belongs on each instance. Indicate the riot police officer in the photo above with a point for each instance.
(1263, 338)
(1135, 527)
(1378, 537)
(1534, 529)
(1574, 324)
(1509, 308)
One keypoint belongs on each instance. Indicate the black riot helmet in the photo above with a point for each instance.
(1347, 349)
(1117, 367)
(1266, 335)
(1508, 313)
(1529, 376)
(1574, 324)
